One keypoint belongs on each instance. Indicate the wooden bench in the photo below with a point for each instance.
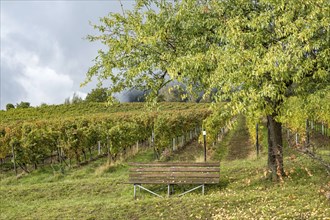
(174, 174)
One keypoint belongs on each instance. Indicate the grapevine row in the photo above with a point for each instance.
(75, 138)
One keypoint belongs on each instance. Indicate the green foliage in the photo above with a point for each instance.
(23, 105)
(314, 107)
(97, 95)
(67, 101)
(176, 123)
(255, 54)
(5, 138)
(76, 99)
(85, 109)
(172, 93)
(140, 48)
(37, 138)
(9, 106)
(43, 105)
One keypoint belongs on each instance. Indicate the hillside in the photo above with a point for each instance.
(97, 191)
(87, 109)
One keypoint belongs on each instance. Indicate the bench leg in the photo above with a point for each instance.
(203, 189)
(200, 186)
(168, 190)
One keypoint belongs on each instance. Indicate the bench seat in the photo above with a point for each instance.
(180, 173)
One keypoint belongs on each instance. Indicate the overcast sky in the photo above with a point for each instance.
(44, 57)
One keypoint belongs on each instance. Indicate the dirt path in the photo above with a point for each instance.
(239, 144)
(191, 152)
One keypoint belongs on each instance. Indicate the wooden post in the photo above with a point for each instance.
(296, 138)
(13, 151)
(204, 138)
(108, 149)
(257, 139)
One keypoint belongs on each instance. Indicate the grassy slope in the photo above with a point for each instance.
(96, 191)
(86, 109)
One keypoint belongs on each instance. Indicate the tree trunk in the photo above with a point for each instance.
(275, 148)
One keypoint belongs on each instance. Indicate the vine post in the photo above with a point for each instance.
(204, 138)
(257, 139)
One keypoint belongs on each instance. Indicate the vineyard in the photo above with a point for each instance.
(91, 188)
(252, 85)
(85, 109)
(55, 135)
(76, 134)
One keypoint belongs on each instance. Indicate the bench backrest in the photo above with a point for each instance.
(175, 173)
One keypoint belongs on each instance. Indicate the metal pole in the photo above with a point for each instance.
(134, 191)
(190, 190)
(257, 139)
(153, 193)
(204, 137)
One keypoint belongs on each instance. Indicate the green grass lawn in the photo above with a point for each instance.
(97, 191)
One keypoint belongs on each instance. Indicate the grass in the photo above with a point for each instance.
(96, 191)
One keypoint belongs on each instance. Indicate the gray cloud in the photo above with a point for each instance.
(44, 57)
